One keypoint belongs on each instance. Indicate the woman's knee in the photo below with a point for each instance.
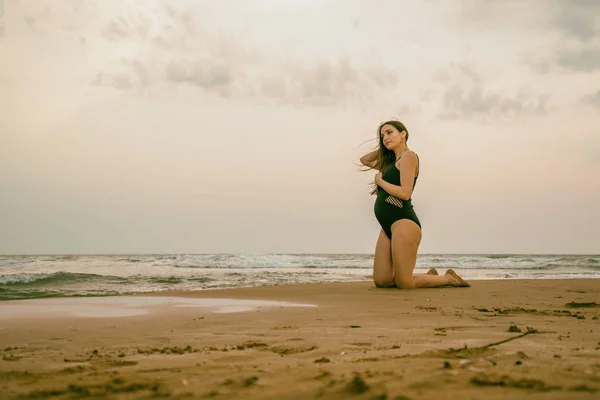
(405, 283)
(383, 282)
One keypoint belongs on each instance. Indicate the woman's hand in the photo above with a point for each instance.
(378, 179)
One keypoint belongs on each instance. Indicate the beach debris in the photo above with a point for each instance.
(251, 345)
(426, 308)
(291, 350)
(250, 381)
(507, 381)
(111, 388)
(514, 328)
(168, 350)
(464, 363)
(447, 365)
(479, 351)
(354, 326)
(185, 382)
(357, 385)
(322, 360)
(74, 370)
(459, 353)
(323, 374)
(582, 305)
(439, 331)
(530, 331)
(361, 344)
(583, 388)
(368, 359)
(342, 353)
(74, 360)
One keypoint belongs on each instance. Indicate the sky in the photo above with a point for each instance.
(236, 126)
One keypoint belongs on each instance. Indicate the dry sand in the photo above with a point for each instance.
(496, 340)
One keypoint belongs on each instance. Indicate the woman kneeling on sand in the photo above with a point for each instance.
(400, 236)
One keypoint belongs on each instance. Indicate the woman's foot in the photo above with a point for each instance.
(432, 271)
(456, 280)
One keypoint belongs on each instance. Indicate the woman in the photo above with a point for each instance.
(400, 236)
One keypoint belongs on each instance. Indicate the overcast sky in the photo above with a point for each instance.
(235, 126)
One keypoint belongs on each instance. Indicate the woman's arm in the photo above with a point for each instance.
(408, 170)
(370, 159)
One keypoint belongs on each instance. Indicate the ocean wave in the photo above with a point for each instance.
(437, 260)
(8, 295)
(197, 266)
(55, 278)
(177, 279)
(11, 261)
(103, 275)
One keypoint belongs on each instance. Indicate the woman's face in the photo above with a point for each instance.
(390, 137)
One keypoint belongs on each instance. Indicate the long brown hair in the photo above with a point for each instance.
(384, 157)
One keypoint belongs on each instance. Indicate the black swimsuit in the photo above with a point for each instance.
(388, 208)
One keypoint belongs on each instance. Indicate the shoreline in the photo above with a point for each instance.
(496, 339)
(169, 292)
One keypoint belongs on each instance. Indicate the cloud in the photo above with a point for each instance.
(465, 96)
(132, 74)
(116, 80)
(499, 15)
(567, 31)
(333, 82)
(592, 99)
(208, 74)
(183, 54)
(579, 58)
(120, 28)
(578, 47)
(578, 19)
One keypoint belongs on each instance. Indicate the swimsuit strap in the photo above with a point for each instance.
(418, 165)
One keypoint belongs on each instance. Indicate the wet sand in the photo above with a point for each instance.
(496, 340)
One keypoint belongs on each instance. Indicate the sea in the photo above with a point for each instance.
(43, 276)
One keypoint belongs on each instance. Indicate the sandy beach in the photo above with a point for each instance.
(496, 340)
